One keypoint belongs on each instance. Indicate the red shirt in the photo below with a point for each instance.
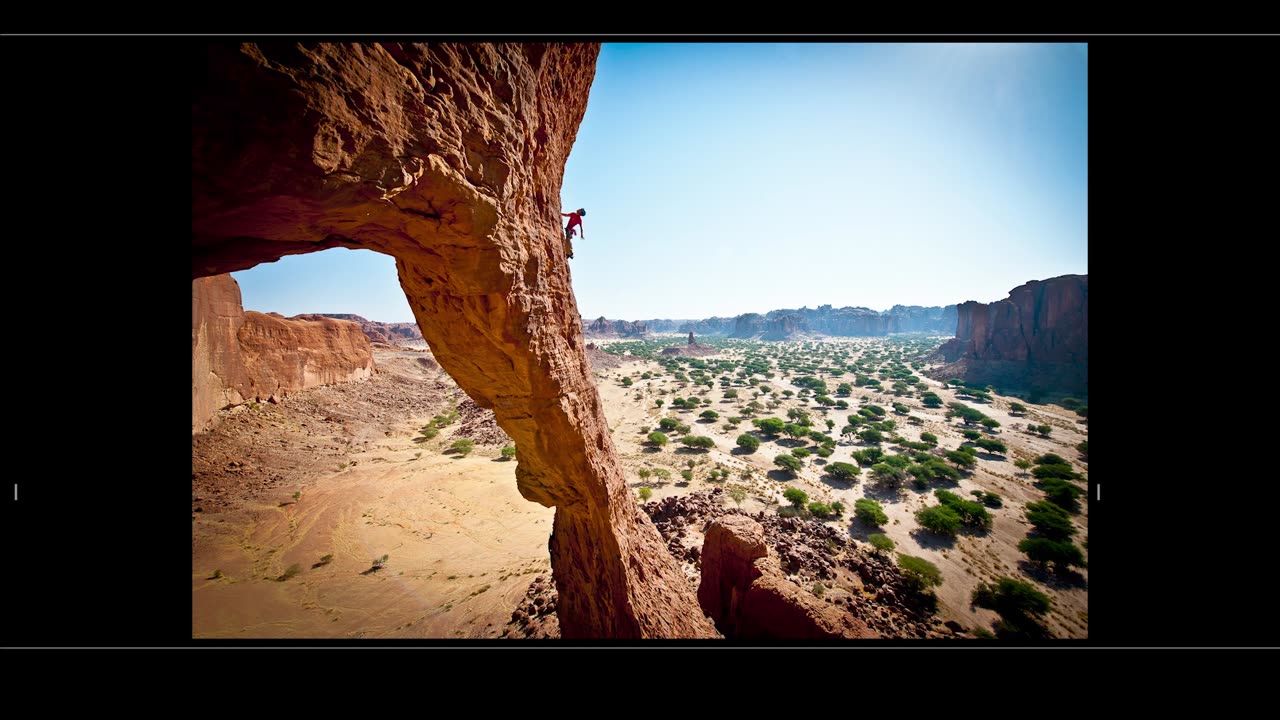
(575, 220)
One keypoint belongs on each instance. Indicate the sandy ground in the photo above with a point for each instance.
(463, 545)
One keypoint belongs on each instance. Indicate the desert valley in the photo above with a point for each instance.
(503, 468)
(386, 506)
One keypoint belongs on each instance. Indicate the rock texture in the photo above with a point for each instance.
(237, 356)
(393, 334)
(450, 158)
(614, 328)
(746, 594)
(1035, 341)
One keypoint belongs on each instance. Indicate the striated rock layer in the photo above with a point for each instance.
(1036, 340)
(449, 157)
(237, 356)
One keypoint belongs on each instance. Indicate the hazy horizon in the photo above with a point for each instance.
(727, 178)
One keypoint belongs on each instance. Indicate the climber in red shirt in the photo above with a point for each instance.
(575, 221)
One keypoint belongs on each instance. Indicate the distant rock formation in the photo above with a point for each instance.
(614, 328)
(825, 320)
(393, 334)
(1035, 341)
(238, 356)
(690, 349)
(746, 594)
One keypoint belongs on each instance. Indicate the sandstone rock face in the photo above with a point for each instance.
(450, 158)
(380, 332)
(618, 328)
(1036, 340)
(217, 370)
(745, 592)
(237, 356)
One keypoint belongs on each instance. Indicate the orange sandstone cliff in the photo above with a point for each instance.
(237, 356)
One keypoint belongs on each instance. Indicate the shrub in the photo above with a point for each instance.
(931, 399)
(1064, 472)
(1017, 408)
(869, 456)
(801, 453)
(881, 542)
(1061, 492)
(994, 446)
(919, 573)
(645, 493)
(990, 423)
(869, 511)
(1017, 602)
(939, 519)
(658, 439)
(1044, 430)
(971, 513)
(1083, 447)
(1069, 403)
(971, 434)
(1050, 520)
(709, 415)
(837, 508)
(929, 438)
(748, 442)
(770, 426)
(901, 409)
(668, 424)
(820, 510)
(1062, 554)
(842, 470)
(871, 435)
(730, 394)
(737, 494)
(989, 499)
(687, 475)
(796, 497)
(1083, 411)
(1051, 459)
(960, 458)
(1022, 464)
(509, 451)
(788, 462)
(462, 447)
(698, 442)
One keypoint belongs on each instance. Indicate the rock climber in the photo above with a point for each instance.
(575, 221)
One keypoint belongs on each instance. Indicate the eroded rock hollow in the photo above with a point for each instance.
(448, 157)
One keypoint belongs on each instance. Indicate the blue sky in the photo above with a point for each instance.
(723, 178)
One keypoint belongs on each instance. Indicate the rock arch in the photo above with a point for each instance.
(450, 158)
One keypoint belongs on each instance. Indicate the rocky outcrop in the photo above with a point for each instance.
(745, 592)
(784, 327)
(691, 348)
(748, 325)
(237, 356)
(1036, 341)
(393, 334)
(709, 326)
(448, 157)
(825, 320)
(615, 328)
